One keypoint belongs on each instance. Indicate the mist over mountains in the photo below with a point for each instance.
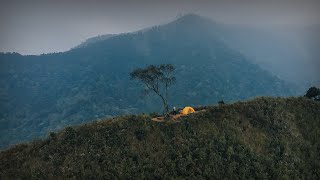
(291, 53)
(45, 93)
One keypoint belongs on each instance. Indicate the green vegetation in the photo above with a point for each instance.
(156, 79)
(313, 93)
(45, 93)
(274, 138)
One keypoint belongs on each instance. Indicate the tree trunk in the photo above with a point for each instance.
(165, 104)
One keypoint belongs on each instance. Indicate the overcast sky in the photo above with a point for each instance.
(42, 26)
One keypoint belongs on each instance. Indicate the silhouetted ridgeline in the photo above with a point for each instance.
(262, 138)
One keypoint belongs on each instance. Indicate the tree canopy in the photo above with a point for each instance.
(158, 79)
(313, 93)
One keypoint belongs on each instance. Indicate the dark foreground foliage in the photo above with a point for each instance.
(313, 93)
(264, 138)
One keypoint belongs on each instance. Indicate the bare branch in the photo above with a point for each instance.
(154, 77)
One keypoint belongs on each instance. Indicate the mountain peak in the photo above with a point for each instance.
(190, 16)
(193, 18)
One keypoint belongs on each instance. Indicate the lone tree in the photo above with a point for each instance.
(313, 93)
(157, 79)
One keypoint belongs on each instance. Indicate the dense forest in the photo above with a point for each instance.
(45, 93)
(264, 138)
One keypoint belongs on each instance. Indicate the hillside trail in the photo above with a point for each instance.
(174, 117)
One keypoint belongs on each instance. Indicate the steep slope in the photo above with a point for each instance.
(275, 50)
(271, 138)
(94, 40)
(48, 92)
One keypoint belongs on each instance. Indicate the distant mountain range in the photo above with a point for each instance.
(290, 53)
(94, 40)
(45, 93)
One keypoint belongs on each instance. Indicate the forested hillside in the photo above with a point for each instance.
(264, 138)
(45, 93)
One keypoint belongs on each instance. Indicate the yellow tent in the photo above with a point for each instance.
(187, 110)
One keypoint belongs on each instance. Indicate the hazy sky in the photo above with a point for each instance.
(42, 26)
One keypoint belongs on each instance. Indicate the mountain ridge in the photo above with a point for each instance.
(278, 53)
(262, 138)
(45, 93)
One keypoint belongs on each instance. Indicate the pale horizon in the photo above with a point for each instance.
(37, 27)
